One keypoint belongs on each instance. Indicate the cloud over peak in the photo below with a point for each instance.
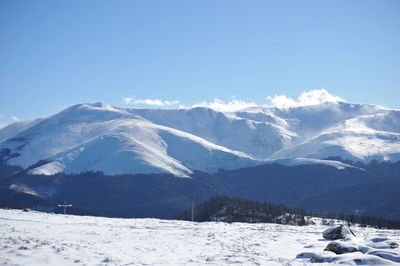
(154, 102)
(312, 97)
(230, 106)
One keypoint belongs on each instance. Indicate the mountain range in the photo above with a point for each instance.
(100, 137)
(329, 157)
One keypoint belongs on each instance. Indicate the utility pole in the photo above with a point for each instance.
(65, 206)
(193, 198)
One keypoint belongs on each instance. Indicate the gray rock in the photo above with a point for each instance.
(337, 232)
(317, 258)
(323, 257)
(341, 247)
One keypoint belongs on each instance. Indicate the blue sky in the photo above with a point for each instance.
(57, 53)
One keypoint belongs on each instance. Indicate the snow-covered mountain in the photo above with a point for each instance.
(99, 137)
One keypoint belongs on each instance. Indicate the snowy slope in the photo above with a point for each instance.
(309, 161)
(364, 138)
(312, 120)
(312, 131)
(30, 238)
(141, 147)
(15, 128)
(257, 138)
(99, 137)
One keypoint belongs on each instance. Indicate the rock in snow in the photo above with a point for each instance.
(341, 247)
(337, 232)
(351, 250)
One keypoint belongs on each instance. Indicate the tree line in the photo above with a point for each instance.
(226, 209)
(234, 209)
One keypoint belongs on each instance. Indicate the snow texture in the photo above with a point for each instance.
(32, 238)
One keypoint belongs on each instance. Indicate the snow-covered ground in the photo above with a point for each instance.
(32, 238)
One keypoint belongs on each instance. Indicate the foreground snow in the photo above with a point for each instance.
(30, 238)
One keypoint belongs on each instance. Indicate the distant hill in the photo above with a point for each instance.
(321, 189)
(10, 198)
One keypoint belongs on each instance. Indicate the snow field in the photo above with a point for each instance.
(32, 238)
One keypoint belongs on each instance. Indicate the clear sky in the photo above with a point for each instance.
(57, 53)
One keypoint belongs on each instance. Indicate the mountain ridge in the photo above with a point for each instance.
(114, 140)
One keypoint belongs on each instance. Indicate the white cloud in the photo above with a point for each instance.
(306, 98)
(312, 97)
(231, 106)
(14, 118)
(155, 102)
(282, 101)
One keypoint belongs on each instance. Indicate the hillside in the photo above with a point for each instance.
(322, 189)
